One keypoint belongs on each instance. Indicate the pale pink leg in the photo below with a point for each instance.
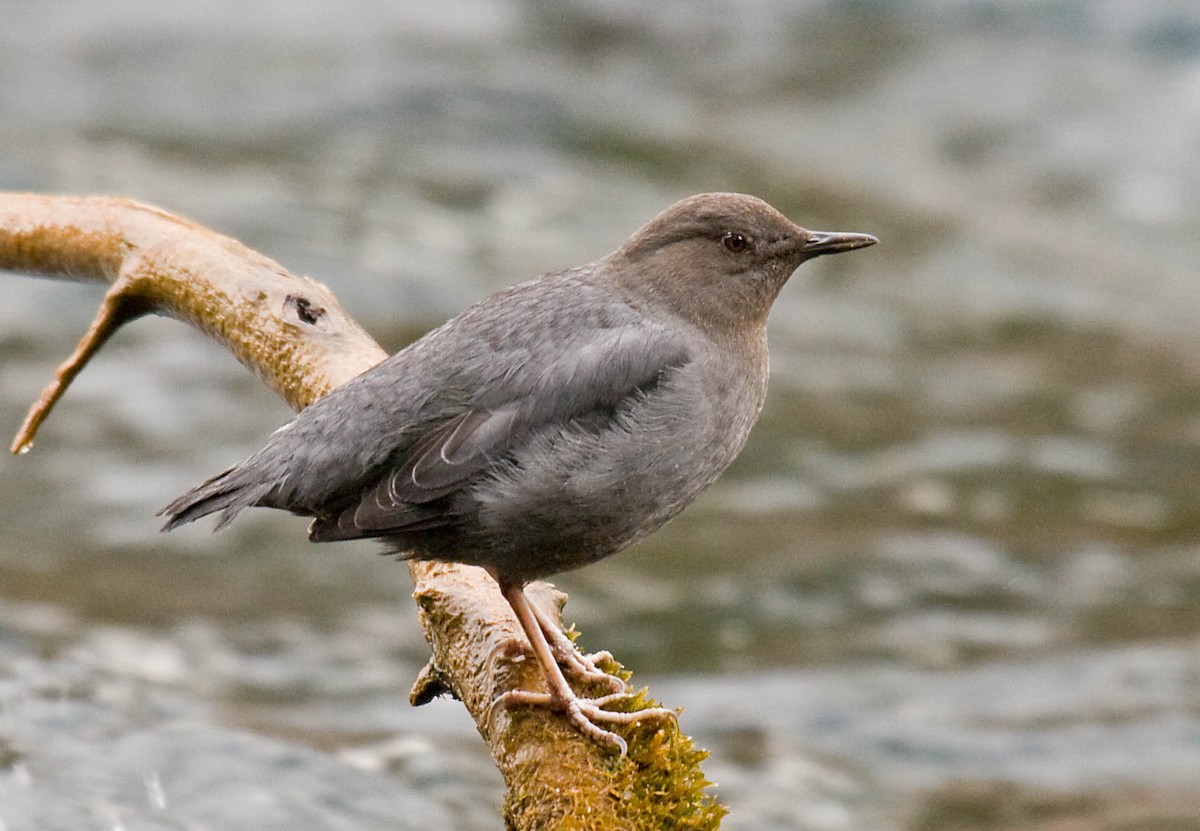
(569, 657)
(583, 712)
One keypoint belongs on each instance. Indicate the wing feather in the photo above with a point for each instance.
(586, 383)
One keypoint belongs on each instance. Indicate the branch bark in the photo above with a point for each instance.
(292, 333)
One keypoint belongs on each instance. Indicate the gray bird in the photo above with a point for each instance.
(550, 425)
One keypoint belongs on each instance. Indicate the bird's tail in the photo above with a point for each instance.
(229, 492)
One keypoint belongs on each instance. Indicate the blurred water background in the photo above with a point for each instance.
(952, 583)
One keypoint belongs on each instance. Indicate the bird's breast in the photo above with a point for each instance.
(576, 492)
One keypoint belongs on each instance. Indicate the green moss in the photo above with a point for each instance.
(660, 783)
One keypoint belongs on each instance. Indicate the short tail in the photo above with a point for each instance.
(227, 492)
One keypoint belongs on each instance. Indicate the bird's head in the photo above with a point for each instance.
(721, 258)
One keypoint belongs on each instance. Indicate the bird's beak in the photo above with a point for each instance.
(834, 242)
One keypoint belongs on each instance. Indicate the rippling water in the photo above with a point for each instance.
(958, 563)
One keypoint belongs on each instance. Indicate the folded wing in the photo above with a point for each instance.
(587, 383)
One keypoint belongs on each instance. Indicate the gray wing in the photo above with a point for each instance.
(583, 383)
(378, 454)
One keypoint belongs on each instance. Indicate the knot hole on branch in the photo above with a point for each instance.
(305, 310)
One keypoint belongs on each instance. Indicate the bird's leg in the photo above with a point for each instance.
(583, 712)
(567, 654)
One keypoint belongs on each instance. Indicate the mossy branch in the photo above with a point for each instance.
(292, 333)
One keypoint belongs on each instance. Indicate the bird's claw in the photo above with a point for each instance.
(584, 713)
(586, 667)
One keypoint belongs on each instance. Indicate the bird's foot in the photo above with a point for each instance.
(585, 712)
(583, 667)
(551, 647)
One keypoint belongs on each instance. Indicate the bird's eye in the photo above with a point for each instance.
(735, 242)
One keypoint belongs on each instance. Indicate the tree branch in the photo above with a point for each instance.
(292, 333)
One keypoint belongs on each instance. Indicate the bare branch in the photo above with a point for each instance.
(292, 333)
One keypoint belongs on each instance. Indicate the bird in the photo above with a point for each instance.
(550, 425)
